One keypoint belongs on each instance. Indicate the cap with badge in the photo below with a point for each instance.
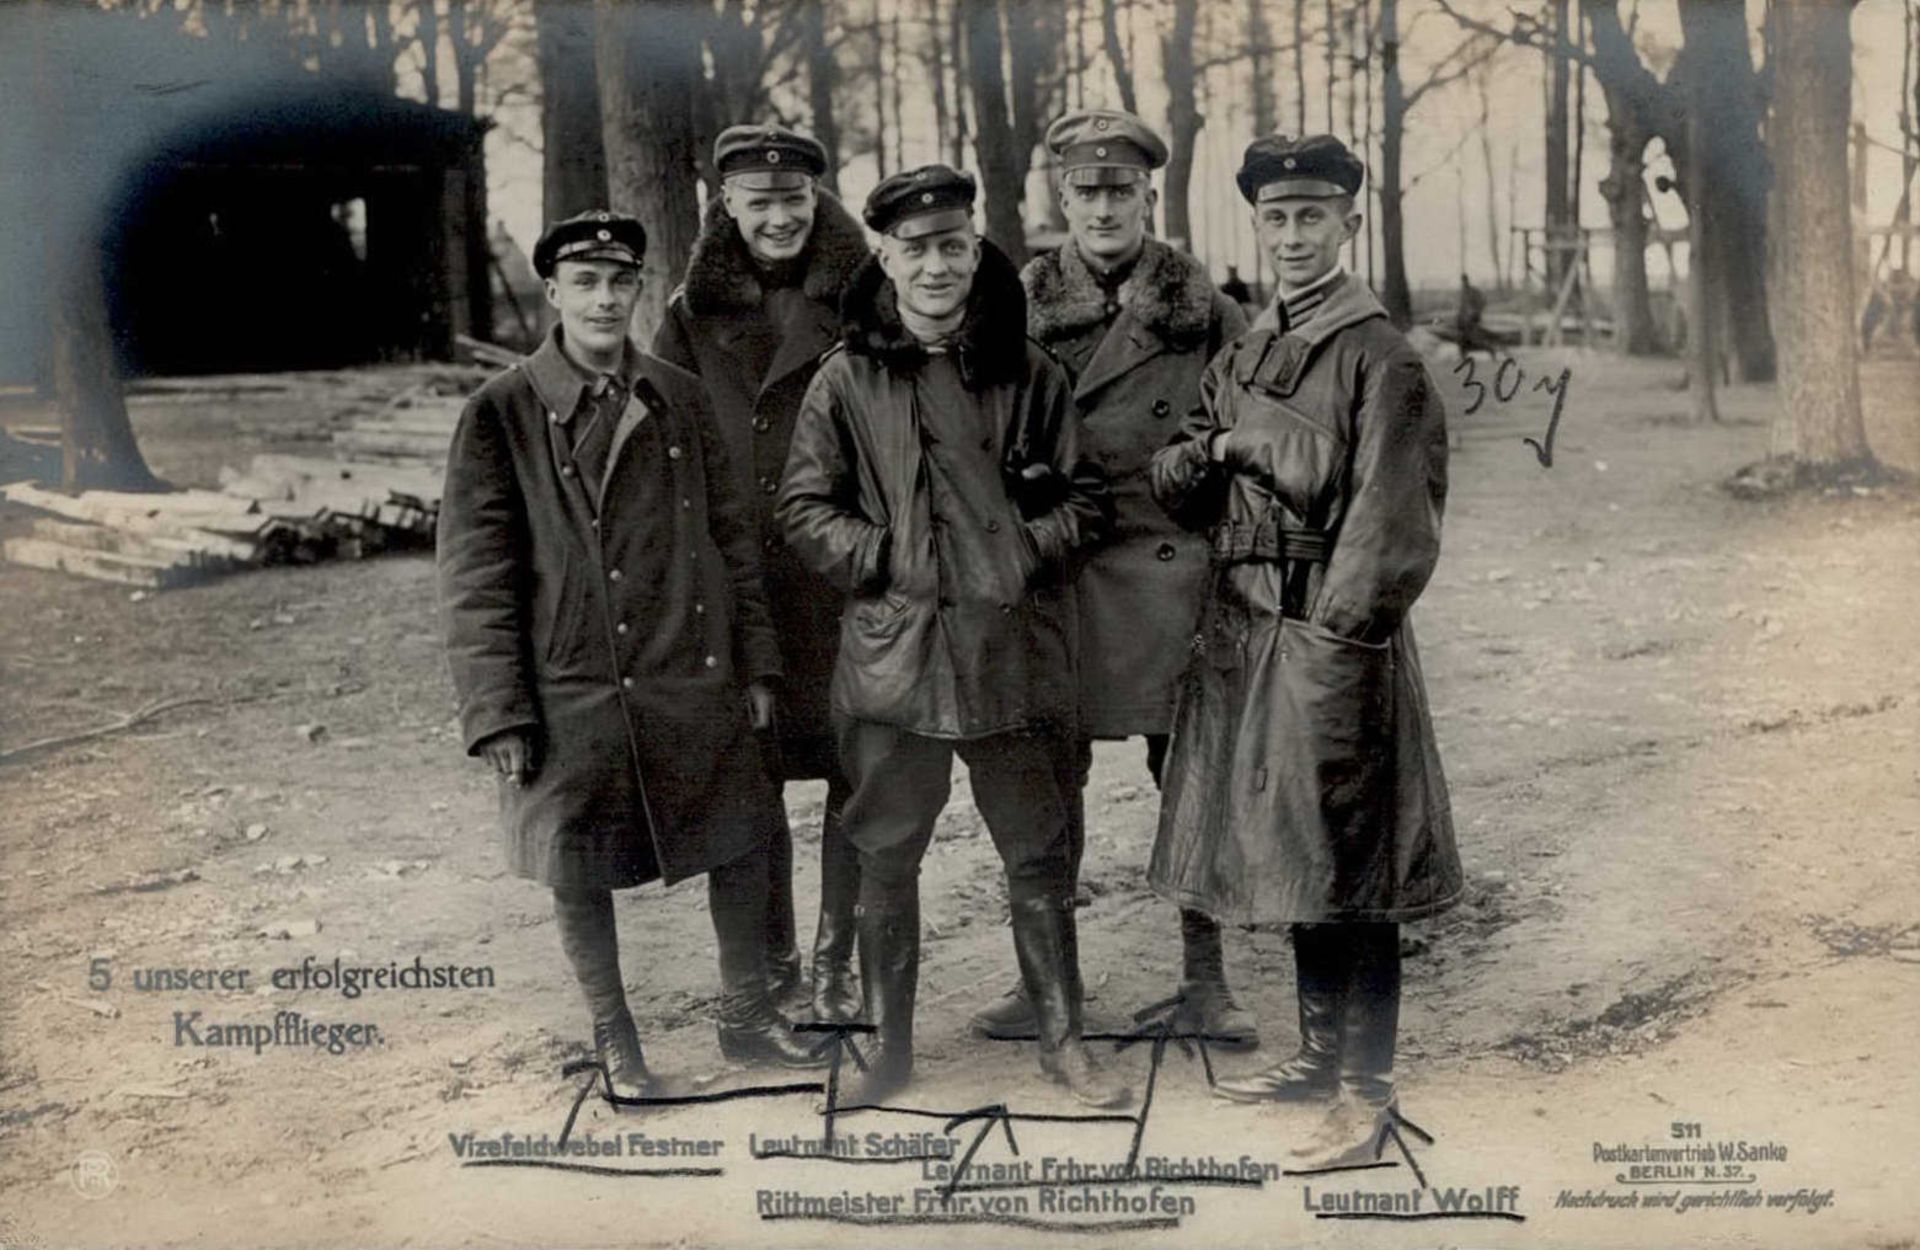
(1318, 166)
(1104, 147)
(593, 235)
(921, 201)
(767, 158)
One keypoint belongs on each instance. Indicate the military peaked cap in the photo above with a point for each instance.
(594, 235)
(768, 158)
(921, 201)
(1103, 147)
(1318, 165)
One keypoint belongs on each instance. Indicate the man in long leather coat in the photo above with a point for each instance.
(1134, 322)
(935, 477)
(759, 305)
(610, 643)
(1303, 783)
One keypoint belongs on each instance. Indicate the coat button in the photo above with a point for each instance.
(1161, 407)
(1166, 551)
(769, 485)
(566, 470)
(614, 576)
(699, 609)
(1006, 609)
(993, 525)
(685, 502)
(713, 661)
(627, 682)
(762, 425)
(673, 453)
(621, 628)
(554, 417)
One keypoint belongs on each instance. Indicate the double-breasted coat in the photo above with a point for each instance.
(1303, 782)
(957, 618)
(755, 350)
(1135, 359)
(619, 620)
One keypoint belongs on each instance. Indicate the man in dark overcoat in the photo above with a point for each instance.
(1134, 322)
(935, 477)
(759, 305)
(1303, 783)
(610, 642)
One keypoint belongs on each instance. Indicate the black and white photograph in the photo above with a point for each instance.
(959, 623)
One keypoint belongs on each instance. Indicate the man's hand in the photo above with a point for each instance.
(760, 706)
(512, 754)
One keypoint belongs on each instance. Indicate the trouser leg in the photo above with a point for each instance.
(1017, 784)
(584, 918)
(750, 1028)
(834, 996)
(898, 783)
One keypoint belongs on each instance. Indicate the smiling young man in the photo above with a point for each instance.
(1134, 322)
(610, 643)
(758, 306)
(1303, 784)
(935, 477)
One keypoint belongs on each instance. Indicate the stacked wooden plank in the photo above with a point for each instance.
(148, 540)
(360, 508)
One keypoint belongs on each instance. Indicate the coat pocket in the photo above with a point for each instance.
(560, 622)
(1335, 696)
(880, 619)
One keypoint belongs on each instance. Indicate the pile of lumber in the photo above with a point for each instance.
(154, 541)
(380, 492)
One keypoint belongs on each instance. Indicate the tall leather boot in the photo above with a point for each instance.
(1047, 946)
(750, 1027)
(1312, 1074)
(783, 951)
(1372, 1019)
(1207, 1004)
(835, 998)
(587, 935)
(888, 921)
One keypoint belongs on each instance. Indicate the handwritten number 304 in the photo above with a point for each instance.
(1507, 381)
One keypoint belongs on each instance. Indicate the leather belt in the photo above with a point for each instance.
(1265, 540)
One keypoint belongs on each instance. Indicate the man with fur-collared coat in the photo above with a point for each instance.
(759, 304)
(1134, 321)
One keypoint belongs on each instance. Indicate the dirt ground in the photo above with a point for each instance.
(1683, 737)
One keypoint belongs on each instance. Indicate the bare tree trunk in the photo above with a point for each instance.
(1703, 369)
(1184, 119)
(1813, 316)
(1260, 68)
(1333, 51)
(934, 57)
(957, 41)
(1001, 171)
(1116, 54)
(650, 71)
(1486, 164)
(1366, 138)
(1732, 194)
(820, 75)
(879, 92)
(573, 159)
(1395, 293)
(1299, 67)
(429, 36)
(1558, 215)
(1624, 187)
(97, 447)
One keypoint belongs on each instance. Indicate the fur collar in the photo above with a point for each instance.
(1168, 291)
(722, 278)
(990, 346)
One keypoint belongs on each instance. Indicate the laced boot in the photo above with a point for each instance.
(751, 1029)
(1207, 1004)
(1312, 1074)
(889, 925)
(1046, 944)
(836, 1000)
(587, 935)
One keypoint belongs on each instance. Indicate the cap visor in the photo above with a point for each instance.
(922, 224)
(1104, 175)
(1300, 188)
(769, 179)
(600, 251)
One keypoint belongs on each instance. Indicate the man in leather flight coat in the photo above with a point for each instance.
(935, 478)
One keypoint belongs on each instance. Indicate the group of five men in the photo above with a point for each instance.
(862, 510)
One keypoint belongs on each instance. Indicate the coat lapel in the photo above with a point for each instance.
(1127, 345)
(801, 344)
